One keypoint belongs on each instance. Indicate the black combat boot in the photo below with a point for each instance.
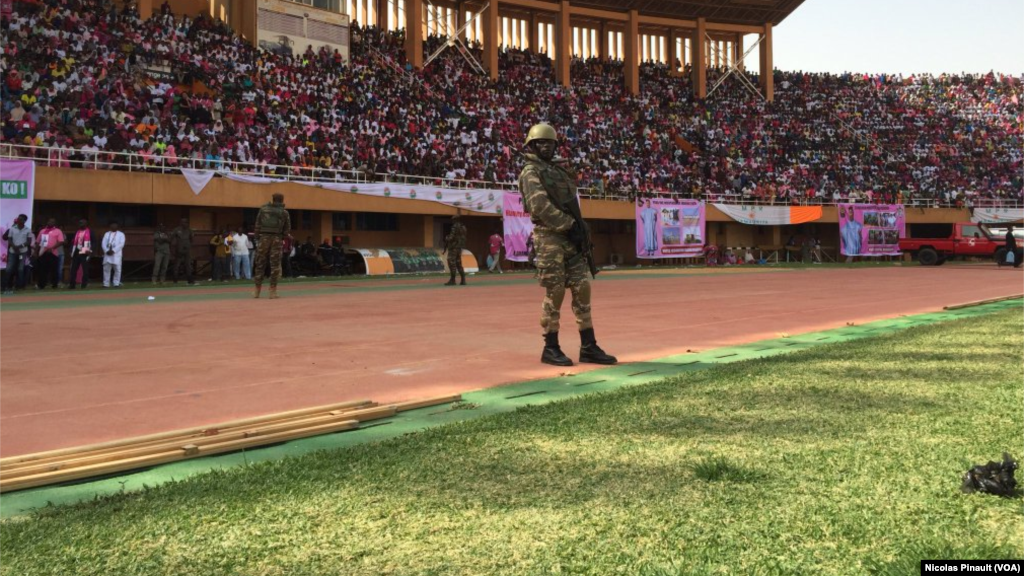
(451, 281)
(463, 275)
(590, 352)
(552, 352)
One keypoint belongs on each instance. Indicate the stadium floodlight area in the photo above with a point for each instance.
(455, 40)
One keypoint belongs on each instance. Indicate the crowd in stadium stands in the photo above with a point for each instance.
(85, 77)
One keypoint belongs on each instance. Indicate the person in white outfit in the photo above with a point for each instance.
(113, 249)
(240, 246)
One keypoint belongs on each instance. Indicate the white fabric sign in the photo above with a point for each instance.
(474, 200)
(197, 179)
(997, 215)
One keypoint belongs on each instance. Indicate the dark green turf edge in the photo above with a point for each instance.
(478, 404)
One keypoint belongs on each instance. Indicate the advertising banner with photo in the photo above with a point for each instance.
(871, 229)
(770, 215)
(518, 228)
(667, 228)
(17, 188)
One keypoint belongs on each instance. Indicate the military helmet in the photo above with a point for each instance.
(542, 131)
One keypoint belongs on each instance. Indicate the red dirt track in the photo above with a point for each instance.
(85, 374)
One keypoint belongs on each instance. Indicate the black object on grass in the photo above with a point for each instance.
(992, 478)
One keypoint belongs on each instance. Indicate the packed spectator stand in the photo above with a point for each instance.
(86, 83)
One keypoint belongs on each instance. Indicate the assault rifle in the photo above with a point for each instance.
(582, 239)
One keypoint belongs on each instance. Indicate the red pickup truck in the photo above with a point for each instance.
(962, 239)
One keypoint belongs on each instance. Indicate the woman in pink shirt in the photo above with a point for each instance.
(50, 242)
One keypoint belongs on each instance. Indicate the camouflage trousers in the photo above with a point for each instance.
(455, 262)
(269, 247)
(560, 266)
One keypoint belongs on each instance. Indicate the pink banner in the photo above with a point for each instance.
(518, 228)
(871, 229)
(17, 186)
(667, 228)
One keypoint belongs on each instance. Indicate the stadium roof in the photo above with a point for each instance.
(747, 12)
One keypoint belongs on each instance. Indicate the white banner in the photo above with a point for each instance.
(197, 179)
(252, 179)
(770, 215)
(997, 215)
(474, 200)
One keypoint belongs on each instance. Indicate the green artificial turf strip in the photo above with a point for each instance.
(842, 459)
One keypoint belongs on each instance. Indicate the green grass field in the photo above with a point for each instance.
(843, 459)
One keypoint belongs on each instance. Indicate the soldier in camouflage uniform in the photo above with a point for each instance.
(272, 224)
(453, 245)
(547, 188)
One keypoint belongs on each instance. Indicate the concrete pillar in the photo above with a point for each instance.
(767, 66)
(382, 7)
(563, 48)
(737, 46)
(631, 53)
(414, 32)
(532, 36)
(428, 231)
(490, 40)
(699, 70)
(323, 222)
(145, 9)
(675, 64)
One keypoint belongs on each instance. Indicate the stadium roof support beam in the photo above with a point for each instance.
(490, 27)
(414, 32)
(599, 14)
(631, 57)
(698, 56)
(537, 5)
(767, 65)
(563, 52)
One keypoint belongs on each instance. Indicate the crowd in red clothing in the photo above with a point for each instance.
(84, 77)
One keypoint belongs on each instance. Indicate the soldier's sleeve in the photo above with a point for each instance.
(539, 204)
(258, 218)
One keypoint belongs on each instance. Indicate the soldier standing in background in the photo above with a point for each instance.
(161, 254)
(453, 245)
(549, 193)
(182, 240)
(272, 224)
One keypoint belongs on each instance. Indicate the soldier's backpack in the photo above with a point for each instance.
(271, 220)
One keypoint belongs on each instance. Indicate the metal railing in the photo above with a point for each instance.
(60, 157)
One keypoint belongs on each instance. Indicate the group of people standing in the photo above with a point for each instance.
(43, 253)
(40, 257)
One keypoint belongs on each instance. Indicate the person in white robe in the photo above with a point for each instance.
(113, 250)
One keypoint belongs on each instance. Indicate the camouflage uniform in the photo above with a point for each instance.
(453, 244)
(269, 244)
(545, 186)
(182, 239)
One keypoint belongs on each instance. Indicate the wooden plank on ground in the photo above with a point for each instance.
(414, 404)
(129, 452)
(182, 453)
(13, 461)
(980, 302)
